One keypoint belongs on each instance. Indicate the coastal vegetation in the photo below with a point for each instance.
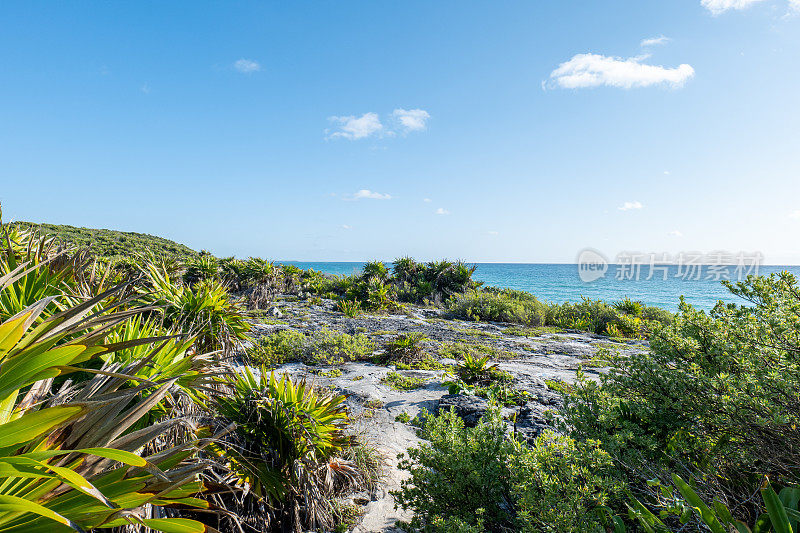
(148, 393)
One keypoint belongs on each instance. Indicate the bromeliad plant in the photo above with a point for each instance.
(205, 308)
(287, 446)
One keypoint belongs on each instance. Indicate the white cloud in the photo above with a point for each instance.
(246, 66)
(352, 127)
(655, 40)
(718, 7)
(427, 200)
(675, 233)
(795, 214)
(666, 172)
(594, 70)
(371, 195)
(145, 88)
(493, 233)
(411, 119)
(346, 226)
(627, 206)
(442, 211)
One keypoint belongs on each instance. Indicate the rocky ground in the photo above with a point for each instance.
(535, 357)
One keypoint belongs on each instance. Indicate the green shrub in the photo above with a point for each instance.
(480, 479)
(205, 267)
(460, 474)
(560, 484)
(716, 397)
(629, 307)
(376, 270)
(477, 370)
(588, 315)
(278, 348)
(499, 306)
(400, 382)
(321, 347)
(406, 347)
(332, 347)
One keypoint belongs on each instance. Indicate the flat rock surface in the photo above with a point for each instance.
(533, 356)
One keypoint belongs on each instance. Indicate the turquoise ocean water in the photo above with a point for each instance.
(561, 283)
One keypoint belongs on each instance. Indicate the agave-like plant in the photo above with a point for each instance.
(69, 460)
(287, 445)
(206, 308)
(476, 369)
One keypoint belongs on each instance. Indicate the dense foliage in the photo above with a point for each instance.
(680, 437)
(113, 244)
(477, 479)
(626, 318)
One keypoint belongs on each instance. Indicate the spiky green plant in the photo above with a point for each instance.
(406, 348)
(350, 308)
(206, 309)
(476, 369)
(286, 445)
(72, 461)
(375, 270)
(629, 307)
(205, 267)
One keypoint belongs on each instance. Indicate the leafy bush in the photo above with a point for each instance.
(477, 370)
(205, 267)
(588, 315)
(480, 477)
(324, 346)
(278, 348)
(560, 484)
(406, 348)
(715, 397)
(499, 306)
(462, 473)
(629, 307)
(350, 308)
(401, 382)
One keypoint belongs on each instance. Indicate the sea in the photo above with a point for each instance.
(661, 286)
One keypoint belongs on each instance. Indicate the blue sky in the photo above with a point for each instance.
(318, 130)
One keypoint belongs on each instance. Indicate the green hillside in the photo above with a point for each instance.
(112, 244)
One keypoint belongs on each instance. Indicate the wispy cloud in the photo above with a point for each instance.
(370, 195)
(246, 66)
(675, 233)
(369, 124)
(653, 41)
(145, 88)
(346, 226)
(492, 232)
(353, 128)
(717, 7)
(427, 200)
(627, 206)
(795, 215)
(594, 70)
(442, 211)
(411, 119)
